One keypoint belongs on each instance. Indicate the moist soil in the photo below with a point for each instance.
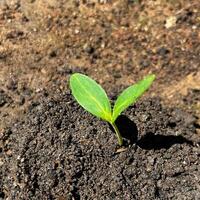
(59, 151)
(50, 148)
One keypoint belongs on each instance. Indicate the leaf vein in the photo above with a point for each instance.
(93, 98)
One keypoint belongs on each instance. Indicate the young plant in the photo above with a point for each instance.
(92, 97)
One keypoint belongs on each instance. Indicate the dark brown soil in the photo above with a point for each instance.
(50, 148)
(59, 151)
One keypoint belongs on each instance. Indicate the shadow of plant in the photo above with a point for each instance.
(129, 131)
(156, 142)
(127, 128)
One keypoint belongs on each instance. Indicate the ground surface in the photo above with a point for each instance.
(50, 148)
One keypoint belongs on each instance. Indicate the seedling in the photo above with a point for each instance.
(92, 97)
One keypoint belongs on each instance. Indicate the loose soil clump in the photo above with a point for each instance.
(59, 151)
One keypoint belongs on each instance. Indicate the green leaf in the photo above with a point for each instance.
(130, 95)
(90, 96)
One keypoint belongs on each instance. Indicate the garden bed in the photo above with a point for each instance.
(59, 151)
(50, 148)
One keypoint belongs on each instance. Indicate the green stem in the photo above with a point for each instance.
(119, 137)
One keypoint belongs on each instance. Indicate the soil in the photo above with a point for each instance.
(50, 148)
(59, 151)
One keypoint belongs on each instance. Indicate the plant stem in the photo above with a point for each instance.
(119, 137)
